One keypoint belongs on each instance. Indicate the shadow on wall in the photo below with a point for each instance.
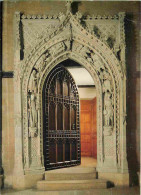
(74, 7)
(131, 56)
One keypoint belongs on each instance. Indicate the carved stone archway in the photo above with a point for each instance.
(69, 40)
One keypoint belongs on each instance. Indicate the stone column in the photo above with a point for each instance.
(34, 126)
(124, 165)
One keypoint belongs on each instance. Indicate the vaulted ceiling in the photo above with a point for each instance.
(81, 76)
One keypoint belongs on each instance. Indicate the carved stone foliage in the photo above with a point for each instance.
(92, 44)
(105, 28)
(35, 30)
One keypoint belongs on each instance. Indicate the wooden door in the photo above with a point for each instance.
(88, 128)
(94, 134)
(61, 133)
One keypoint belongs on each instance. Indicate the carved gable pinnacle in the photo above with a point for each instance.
(68, 5)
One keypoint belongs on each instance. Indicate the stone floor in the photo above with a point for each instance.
(88, 162)
(110, 191)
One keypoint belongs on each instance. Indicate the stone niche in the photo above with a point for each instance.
(98, 44)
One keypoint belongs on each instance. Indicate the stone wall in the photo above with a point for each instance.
(133, 77)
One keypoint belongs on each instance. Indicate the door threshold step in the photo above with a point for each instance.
(71, 184)
(77, 169)
(69, 176)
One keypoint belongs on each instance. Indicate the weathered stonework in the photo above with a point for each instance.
(42, 42)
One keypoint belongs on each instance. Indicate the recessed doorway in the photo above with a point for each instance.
(61, 133)
(69, 104)
(88, 122)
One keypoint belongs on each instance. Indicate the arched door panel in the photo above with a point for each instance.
(61, 132)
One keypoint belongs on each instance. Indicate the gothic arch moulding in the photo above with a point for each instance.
(67, 37)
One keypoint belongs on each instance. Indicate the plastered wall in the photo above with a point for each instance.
(133, 68)
(87, 93)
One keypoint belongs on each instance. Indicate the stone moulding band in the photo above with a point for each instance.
(89, 17)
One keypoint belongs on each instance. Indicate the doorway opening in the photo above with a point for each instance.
(88, 122)
(69, 105)
(61, 132)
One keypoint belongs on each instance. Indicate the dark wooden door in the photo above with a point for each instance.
(61, 133)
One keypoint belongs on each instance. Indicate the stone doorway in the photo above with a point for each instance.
(70, 39)
(86, 122)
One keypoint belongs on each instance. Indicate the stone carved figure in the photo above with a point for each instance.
(83, 50)
(86, 53)
(32, 104)
(108, 110)
(108, 103)
(107, 82)
(97, 62)
(61, 16)
(33, 111)
(57, 49)
(33, 82)
(68, 44)
(44, 61)
(33, 116)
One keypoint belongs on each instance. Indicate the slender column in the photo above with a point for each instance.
(18, 165)
(124, 164)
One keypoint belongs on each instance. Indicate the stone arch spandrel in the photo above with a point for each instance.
(71, 29)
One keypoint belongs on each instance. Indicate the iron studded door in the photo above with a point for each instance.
(61, 132)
